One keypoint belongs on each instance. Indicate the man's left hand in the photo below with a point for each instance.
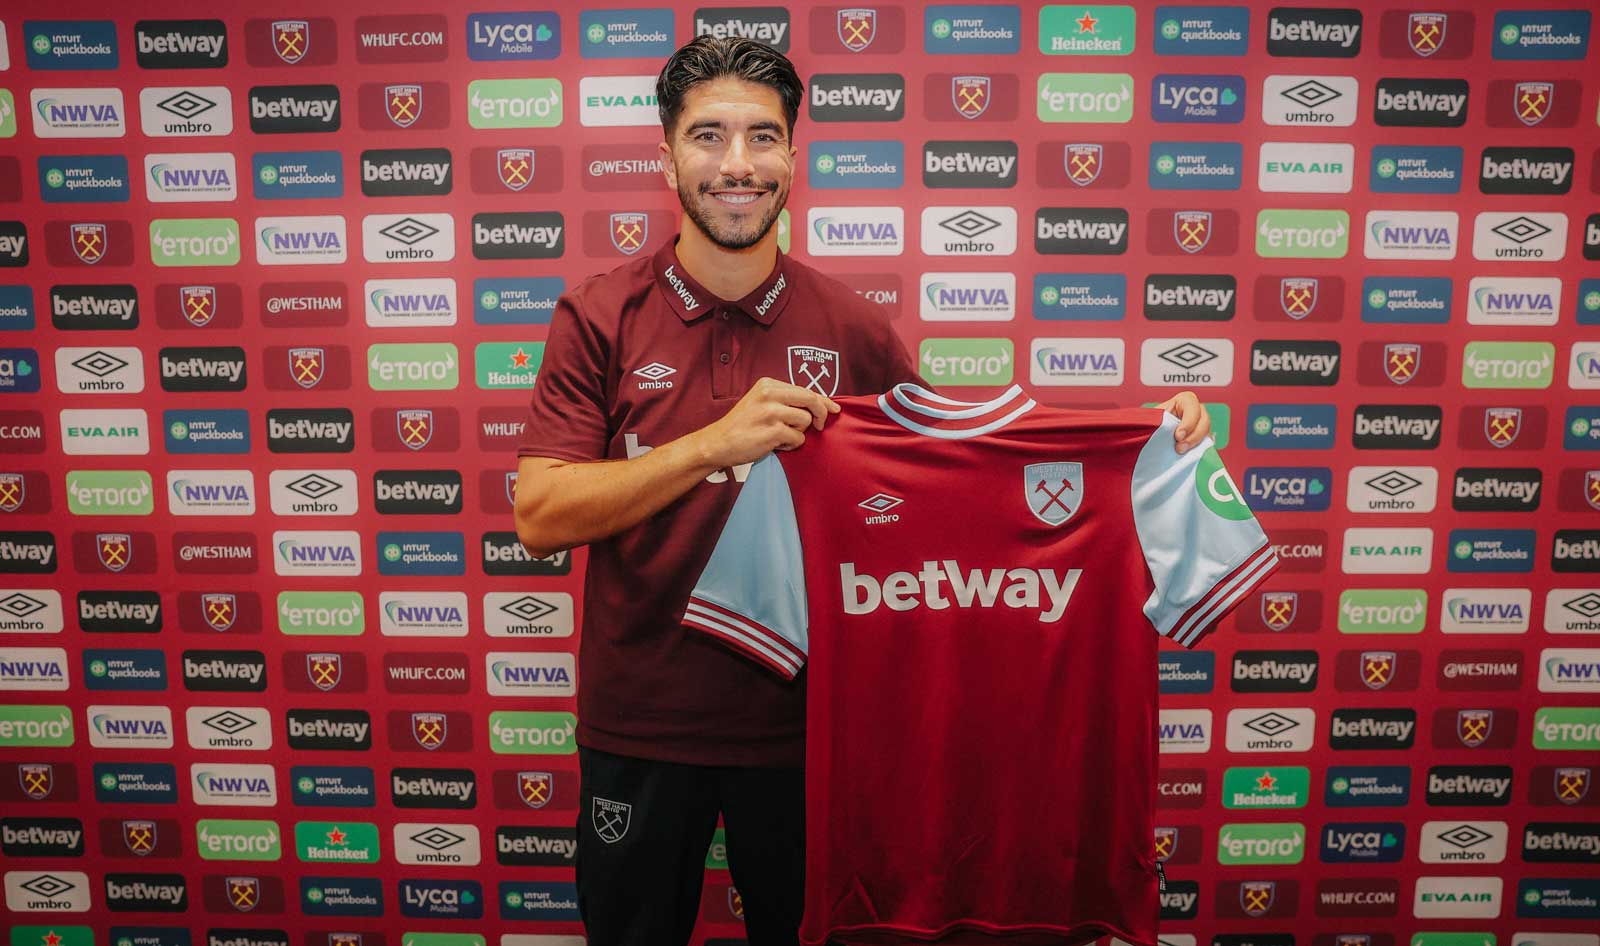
(1194, 421)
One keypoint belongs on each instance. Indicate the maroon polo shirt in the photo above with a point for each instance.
(641, 356)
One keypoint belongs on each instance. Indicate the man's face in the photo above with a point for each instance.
(731, 160)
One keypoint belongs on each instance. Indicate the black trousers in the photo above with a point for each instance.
(643, 830)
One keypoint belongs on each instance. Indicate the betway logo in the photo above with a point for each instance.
(1299, 362)
(1017, 588)
(306, 429)
(965, 162)
(1074, 228)
(402, 170)
(1273, 670)
(431, 787)
(1522, 169)
(1587, 550)
(26, 552)
(1494, 487)
(201, 368)
(172, 41)
(1416, 100)
(118, 611)
(36, 836)
(855, 96)
(534, 844)
(218, 669)
(93, 305)
(289, 106)
(419, 492)
(1468, 785)
(144, 892)
(327, 729)
(513, 234)
(1313, 31)
(1391, 426)
(12, 246)
(770, 32)
(1398, 730)
(1188, 297)
(1561, 842)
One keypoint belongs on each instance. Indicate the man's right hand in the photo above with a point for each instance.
(772, 415)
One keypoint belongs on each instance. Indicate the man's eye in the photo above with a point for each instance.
(705, 136)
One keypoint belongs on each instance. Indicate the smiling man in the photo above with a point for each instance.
(662, 382)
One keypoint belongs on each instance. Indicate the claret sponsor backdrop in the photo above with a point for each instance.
(274, 284)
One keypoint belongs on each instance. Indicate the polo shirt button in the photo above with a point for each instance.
(724, 315)
(723, 358)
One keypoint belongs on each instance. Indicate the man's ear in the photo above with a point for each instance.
(668, 169)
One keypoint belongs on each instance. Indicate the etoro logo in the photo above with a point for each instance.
(544, 733)
(1085, 97)
(412, 367)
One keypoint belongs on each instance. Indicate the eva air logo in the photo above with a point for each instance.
(1216, 488)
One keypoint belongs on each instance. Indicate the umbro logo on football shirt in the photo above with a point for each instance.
(654, 376)
(879, 505)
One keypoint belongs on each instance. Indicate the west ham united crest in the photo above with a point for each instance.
(1297, 296)
(857, 27)
(1256, 896)
(1502, 424)
(1572, 784)
(198, 303)
(629, 231)
(139, 837)
(13, 490)
(1377, 668)
(415, 427)
(243, 892)
(1082, 163)
(610, 818)
(219, 610)
(428, 729)
(516, 167)
(305, 366)
(115, 549)
(1591, 488)
(735, 903)
(1401, 361)
(814, 368)
(1278, 609)
(970, 95)
(1192, 229)
(403, 104)
(37, 779)
(535, 788)
(1531, 101)
(1473, 726)
(88, 241)
(1425, 32)
(324, 670)
(291, 40)
(1054, 491)
(1166, 843)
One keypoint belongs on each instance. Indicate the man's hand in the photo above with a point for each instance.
(772, 415)
(1194, 422)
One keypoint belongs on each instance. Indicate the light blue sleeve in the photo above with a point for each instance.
(752, 594)
(1201, 542)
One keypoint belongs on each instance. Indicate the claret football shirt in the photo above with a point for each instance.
(976, 592)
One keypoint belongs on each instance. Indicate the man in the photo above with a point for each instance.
(657, 391)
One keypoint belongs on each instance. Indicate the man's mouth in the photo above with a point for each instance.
(737, 198)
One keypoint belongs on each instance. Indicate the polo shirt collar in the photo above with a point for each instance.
(691, 300)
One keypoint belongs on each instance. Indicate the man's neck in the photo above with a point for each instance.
(730, 275)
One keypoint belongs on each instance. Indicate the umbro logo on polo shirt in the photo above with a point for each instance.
(655, 376)
(879, 505)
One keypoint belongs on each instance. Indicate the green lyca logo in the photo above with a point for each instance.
(1565, 727)
(502, 365)
(532, 733)
(1282, 843)
(1216, 488)
(1087, 31)
(1523, 365)
(336, 842)
(35, 726)
(230, 840)
(1266, 787)
(1086, 97)
(966, 360)
(321, 614)
(1302, 234)
(514, 103)
(1382, 610)
(199, 242)
(412, 367)
(110, 493)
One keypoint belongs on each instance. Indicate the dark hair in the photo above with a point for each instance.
(711, 57)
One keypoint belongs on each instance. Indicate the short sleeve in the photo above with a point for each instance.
(567, 414)
(752, 595)
(1201, 542)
